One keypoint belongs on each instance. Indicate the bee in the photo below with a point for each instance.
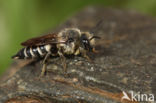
(70, 41)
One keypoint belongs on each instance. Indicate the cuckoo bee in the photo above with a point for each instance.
(70, 41)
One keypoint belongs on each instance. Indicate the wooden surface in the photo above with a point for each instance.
(126, 62)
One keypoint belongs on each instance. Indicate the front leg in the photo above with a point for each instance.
(84, 54)
(63, 59)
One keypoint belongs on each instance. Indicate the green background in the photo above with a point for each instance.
(23, 19)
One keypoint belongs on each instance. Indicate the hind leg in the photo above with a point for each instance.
(44, 67)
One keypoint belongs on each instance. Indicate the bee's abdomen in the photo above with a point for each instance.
(33, 52)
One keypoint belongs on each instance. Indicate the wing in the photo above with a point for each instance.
(42, 40)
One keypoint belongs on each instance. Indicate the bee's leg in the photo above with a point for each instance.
(44, 67)
(84, 54)
(43, 72)
(63, 59)
(88, 58)
(95, 51)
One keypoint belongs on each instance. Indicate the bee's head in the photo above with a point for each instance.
(75, 41)
(87, 41)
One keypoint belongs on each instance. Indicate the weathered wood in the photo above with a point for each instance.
(126, 61)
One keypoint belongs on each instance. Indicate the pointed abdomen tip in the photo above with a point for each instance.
(15, 57)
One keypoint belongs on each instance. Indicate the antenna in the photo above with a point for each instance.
(96, 26)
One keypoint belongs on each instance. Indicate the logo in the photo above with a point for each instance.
(131, 96)
(125, 96)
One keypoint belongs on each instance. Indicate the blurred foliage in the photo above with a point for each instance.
(23, 19)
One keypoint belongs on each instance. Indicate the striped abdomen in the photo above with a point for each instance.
(35, 52)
